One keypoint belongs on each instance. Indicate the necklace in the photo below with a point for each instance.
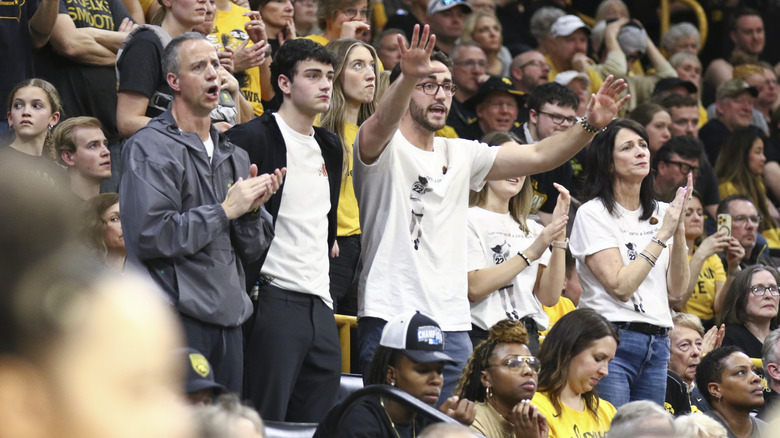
(398, 435)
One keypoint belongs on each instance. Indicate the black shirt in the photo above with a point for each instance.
(86, 90)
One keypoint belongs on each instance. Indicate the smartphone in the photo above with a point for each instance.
(724, 223)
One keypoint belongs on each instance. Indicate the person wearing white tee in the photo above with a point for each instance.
(512, 271)
(293, 357)
(411, 190)
(619, 239)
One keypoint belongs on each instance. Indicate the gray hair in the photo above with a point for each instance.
(696, 426)
(218, 420)
(631, 420)
(680, 30)
(769, 351)
(680, 57)
(454, 52)
(171, 60)
(542, 20)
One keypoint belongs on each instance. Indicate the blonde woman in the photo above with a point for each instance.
(353, 101)
(484, 29)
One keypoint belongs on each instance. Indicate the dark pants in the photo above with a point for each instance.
(222, 346)
(344, 271)
(293, 357)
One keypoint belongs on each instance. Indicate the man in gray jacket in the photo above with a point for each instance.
(192, 209)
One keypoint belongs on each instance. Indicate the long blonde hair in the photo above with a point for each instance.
(334, 119)
(520, 204)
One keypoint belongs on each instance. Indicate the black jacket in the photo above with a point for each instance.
(263, 140)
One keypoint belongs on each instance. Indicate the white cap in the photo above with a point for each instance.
(567, 76)
(567, 25)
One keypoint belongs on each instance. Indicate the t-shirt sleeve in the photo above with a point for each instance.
(592, 231)
(140, 68)
(119, 12)
(482, 162)
(382, 162)
(476, 254)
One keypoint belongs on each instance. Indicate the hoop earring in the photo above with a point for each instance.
(489, 392)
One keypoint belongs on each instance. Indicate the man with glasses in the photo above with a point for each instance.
(744, 227)
(552, 108)
(468, 71)
(412, 188)
(672, 163)
(529, 70)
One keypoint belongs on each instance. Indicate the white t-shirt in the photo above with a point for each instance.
(595, 230)
(298, 257)
(413, 206)
(494, 238)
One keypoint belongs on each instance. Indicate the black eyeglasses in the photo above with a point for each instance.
(685, 167)
(515, 364)
(559, 119)
(741, 219)
(432, 88)
(759, 290)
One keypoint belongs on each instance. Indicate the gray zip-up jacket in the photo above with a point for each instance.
(175, 227)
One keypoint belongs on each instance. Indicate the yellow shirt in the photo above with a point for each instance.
(348, 214)
(229, 32)
(556, 312)
(320, 39)
(702, 300)
(572, 423)
(595, 78)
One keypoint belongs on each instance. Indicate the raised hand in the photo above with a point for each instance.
(460, 409)
(564, 200)
(251, 56)
(416, 58)
(353, 29)
(713, 338)
(714, 244)
(528, 421)
(604, 105)
(255, 27)
(673, 218)
(735, 252)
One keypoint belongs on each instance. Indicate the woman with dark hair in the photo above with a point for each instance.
(750, 308)
(103, 230)
(512, 270)
(740, 169)
(501, 378)
(619, 239)
(277, 15)
(656, 120)
(728, 381)
(352, 102)
(708, 280)
(574, 358)
(410, 357)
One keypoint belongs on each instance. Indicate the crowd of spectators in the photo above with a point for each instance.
(549, 218)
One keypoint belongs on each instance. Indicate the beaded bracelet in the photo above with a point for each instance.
(588, 127)
(525, 259)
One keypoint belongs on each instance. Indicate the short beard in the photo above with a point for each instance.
(419, 114)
